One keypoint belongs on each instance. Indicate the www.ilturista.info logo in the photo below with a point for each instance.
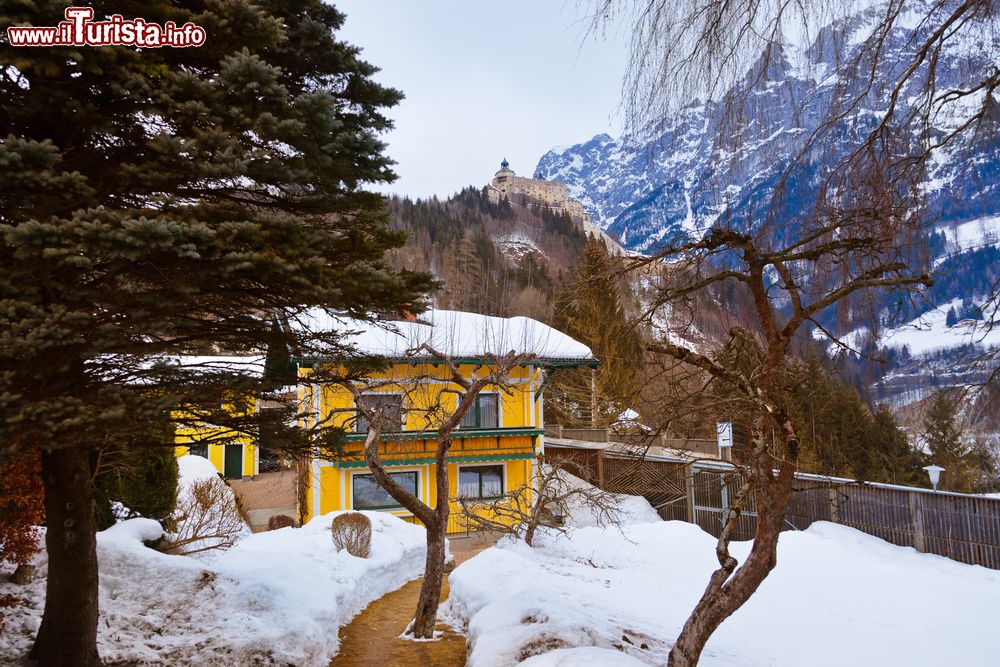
(79, 30)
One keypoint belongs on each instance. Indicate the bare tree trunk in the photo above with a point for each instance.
(425, 617)
(430, 591)
(724, 593)
(68, 633)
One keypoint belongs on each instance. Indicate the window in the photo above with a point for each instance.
(368, 495)
(388, 406)
(484, 413)
(201, 449)
(480, 482)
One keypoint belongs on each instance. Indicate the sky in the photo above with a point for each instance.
(484, 81)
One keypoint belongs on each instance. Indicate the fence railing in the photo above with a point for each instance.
(962, 527)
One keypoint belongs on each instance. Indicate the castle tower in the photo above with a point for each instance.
(502, 179)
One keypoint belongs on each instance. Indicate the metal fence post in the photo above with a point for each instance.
(689, 486)
(917, 519)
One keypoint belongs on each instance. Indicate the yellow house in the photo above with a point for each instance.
(493, 450)
(495, 446)
(235, 455)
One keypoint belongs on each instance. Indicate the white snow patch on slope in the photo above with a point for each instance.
(276, 598)
(930, 332)
(516, 245)
(838, 597)
(972, 234)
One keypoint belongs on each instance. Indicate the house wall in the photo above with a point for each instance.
(513, 445)
(187, 436)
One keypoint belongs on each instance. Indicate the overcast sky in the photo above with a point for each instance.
(483, 81)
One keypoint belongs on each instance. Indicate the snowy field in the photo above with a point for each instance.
(929, 333)
(608, 597)
(275, 598)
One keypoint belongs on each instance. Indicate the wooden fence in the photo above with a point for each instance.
(962, 527)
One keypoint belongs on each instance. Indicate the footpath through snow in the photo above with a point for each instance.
(601, 596)
(275, 598)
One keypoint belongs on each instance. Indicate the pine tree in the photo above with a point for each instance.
(947, 447)
(143, 479)
(592, 311)
(896, 460)
(164, 201)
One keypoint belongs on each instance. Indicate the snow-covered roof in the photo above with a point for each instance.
(248, 365)
(454, 334)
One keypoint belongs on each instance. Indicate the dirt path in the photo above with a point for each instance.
(372, 638)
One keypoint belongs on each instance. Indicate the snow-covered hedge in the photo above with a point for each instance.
(275, 598)
(838, 597)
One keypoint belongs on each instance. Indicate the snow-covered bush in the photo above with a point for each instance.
(208, 516)
(352, 531)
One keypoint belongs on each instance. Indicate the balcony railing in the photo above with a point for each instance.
(456, 435)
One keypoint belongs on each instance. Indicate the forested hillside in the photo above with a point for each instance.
(496, 259)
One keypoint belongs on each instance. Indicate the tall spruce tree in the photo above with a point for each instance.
(164, 201)
(592, 310)
(947, 445)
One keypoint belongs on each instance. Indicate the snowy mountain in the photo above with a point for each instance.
(681, 175)
(729, 154)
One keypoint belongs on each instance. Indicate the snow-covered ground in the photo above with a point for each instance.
(929, 333)
(579, 512)
(972, 234)
(838, 597)
(275, 598)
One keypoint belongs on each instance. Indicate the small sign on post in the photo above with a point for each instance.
(724, 432)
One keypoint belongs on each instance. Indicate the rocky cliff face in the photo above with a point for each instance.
(679, 177)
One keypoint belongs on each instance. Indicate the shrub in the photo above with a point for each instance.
(21, 507)
(208, 517)
(143, 479)
(21, 512)
(281, 521)
(352, 531)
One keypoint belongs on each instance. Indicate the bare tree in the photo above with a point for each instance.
(496, 374)
(546, 501)
(861, 234)
(771, 464)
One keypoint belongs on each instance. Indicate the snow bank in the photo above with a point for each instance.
(191, 469)
(581, 514)
(275, 598)
(838, 597)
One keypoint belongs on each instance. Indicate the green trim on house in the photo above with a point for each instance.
(451, 459)
(456, 435)
(413, 361)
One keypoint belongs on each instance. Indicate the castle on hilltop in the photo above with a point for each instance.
(554, 195)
